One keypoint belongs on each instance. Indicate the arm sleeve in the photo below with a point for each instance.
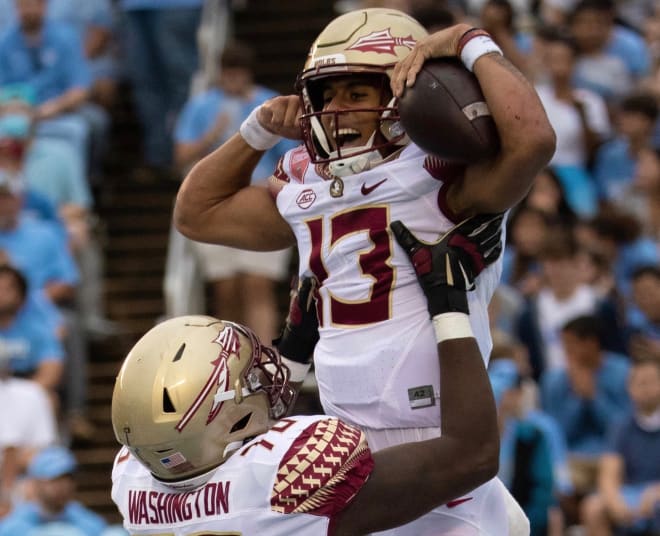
(323, 470)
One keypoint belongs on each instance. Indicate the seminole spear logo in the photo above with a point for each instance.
(219, 378)
(382, 42)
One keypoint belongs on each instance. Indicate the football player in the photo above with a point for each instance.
(336, 195)
(200, 406)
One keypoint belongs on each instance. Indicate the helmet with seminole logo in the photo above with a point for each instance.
(365, 44)
(191, 390)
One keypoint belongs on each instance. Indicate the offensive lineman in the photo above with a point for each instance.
(195, 405)
(335, 197)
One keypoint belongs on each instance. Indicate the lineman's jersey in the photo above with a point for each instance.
(376, 361)
(291, 480)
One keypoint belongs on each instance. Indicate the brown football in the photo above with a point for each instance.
(445, 113)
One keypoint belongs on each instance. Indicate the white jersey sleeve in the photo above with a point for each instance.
(292, 480)
(376, 361)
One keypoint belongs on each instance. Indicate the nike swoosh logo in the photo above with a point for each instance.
(366, 190)
(454, 504)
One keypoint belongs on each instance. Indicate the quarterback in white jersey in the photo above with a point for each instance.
(376, 363)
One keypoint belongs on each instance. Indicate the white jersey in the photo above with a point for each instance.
(376, 361)
(291, 480)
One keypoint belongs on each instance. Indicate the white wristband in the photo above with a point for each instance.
(298, 370)
(476, 47)
(452, 326)
(257, 136)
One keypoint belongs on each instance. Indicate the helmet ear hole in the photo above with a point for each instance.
(168, 406)
(179, 353)
(242, 423)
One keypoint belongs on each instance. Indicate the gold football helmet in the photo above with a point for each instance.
(366, 42)
(192, 390)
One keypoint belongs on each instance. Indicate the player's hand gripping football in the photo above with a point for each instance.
(436, 45)
(448, 268)
(301, 329)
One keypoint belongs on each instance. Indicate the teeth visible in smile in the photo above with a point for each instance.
(346, 135)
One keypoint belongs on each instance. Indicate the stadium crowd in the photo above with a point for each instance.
(576, 320)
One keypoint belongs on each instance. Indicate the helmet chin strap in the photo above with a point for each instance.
(350, 165)
(189, 483)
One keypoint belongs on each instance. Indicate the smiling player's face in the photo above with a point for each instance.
(353, 129)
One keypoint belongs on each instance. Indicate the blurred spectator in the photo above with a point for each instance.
(527, 231)
(628, 493)
(48, 55)
(585, 396)
(616, 161)
(595, 270)
(243, 282)
(31, 347)
(645, 322)
(548, 194)
(526, 467)
(160, 51)
(498, 18)
(641, 197)
(54, 489)
(618, 237)
(95, 22)
(578, 116)
(50, 168)
(53, 268)
(27, 420)
(562, 297)
(611, 58)
(209, 118)
(42, 255)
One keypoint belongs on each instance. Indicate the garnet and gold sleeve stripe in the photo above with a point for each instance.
(323, 470)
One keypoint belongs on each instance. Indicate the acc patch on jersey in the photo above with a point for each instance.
(322, 470)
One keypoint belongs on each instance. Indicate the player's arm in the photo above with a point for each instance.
(216, 202)
(300, 333)
(409, 480)
(526, 136)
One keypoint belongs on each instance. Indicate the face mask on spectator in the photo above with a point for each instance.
(15, 126)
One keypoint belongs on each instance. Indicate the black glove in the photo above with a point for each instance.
(301, 329)
(448, 268)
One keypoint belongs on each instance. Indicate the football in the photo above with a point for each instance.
(445, 113)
